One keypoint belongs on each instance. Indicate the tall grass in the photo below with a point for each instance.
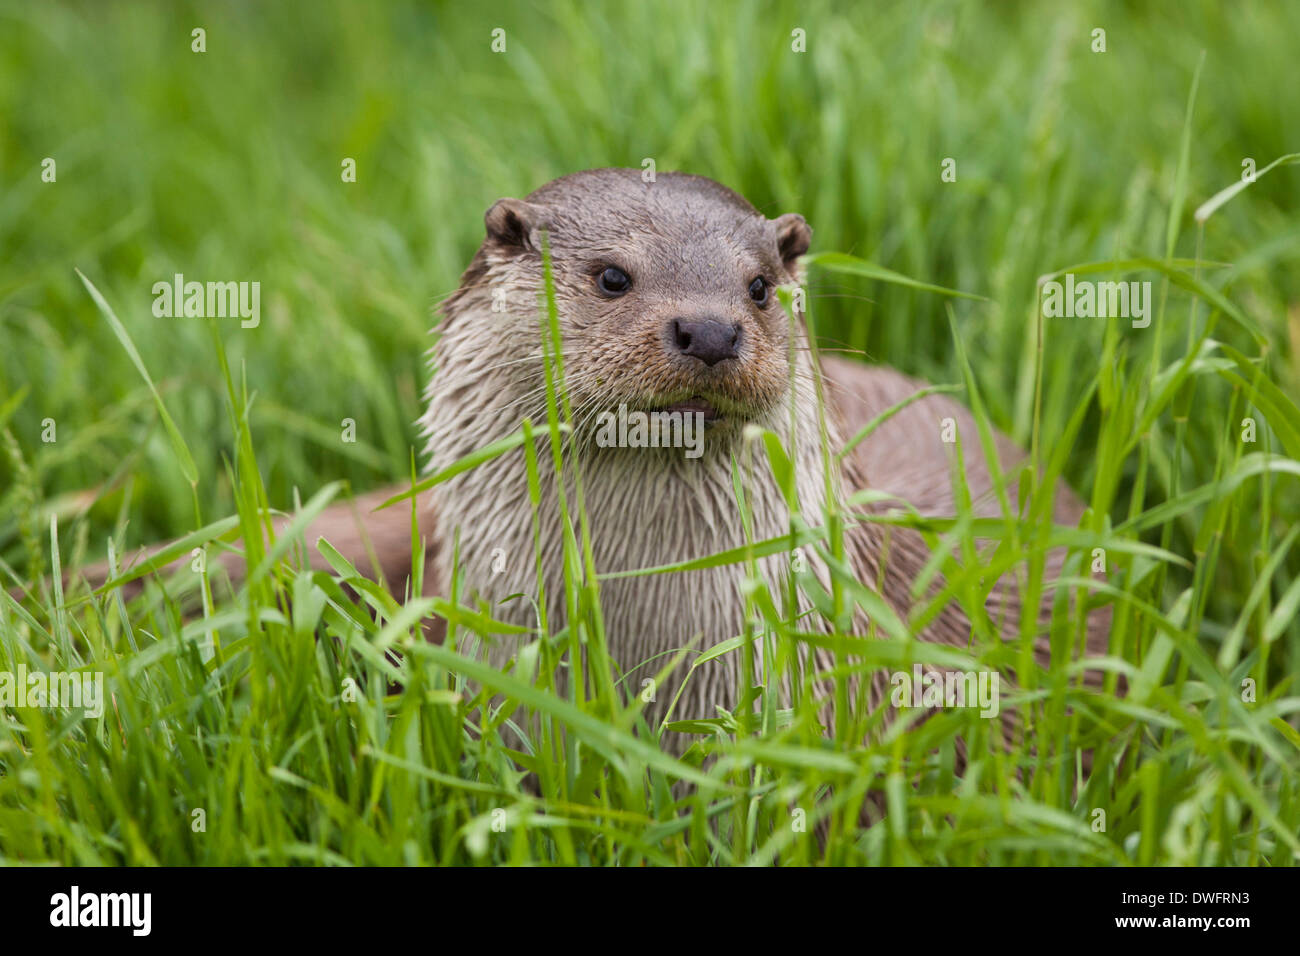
(310, 721)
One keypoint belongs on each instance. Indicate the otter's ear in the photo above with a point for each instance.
(514, 223)
(793, 237)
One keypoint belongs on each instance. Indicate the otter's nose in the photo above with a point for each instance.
(708, 340)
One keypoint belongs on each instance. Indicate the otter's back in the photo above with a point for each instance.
(906, 455)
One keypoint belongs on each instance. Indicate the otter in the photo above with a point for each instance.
(666, 297)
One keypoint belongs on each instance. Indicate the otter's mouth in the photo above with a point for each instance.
(697, 405)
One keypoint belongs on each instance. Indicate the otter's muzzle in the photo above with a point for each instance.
(708, 340)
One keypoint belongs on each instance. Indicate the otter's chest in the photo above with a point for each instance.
(642, 512)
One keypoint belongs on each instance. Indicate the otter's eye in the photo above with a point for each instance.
(613, 281)
(758, 290)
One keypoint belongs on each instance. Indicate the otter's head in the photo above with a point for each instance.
(665, 291)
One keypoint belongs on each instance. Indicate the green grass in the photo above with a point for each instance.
(225, 165)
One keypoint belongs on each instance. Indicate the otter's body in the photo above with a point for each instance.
(692, 253)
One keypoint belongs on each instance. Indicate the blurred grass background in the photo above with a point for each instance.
(225, 166)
